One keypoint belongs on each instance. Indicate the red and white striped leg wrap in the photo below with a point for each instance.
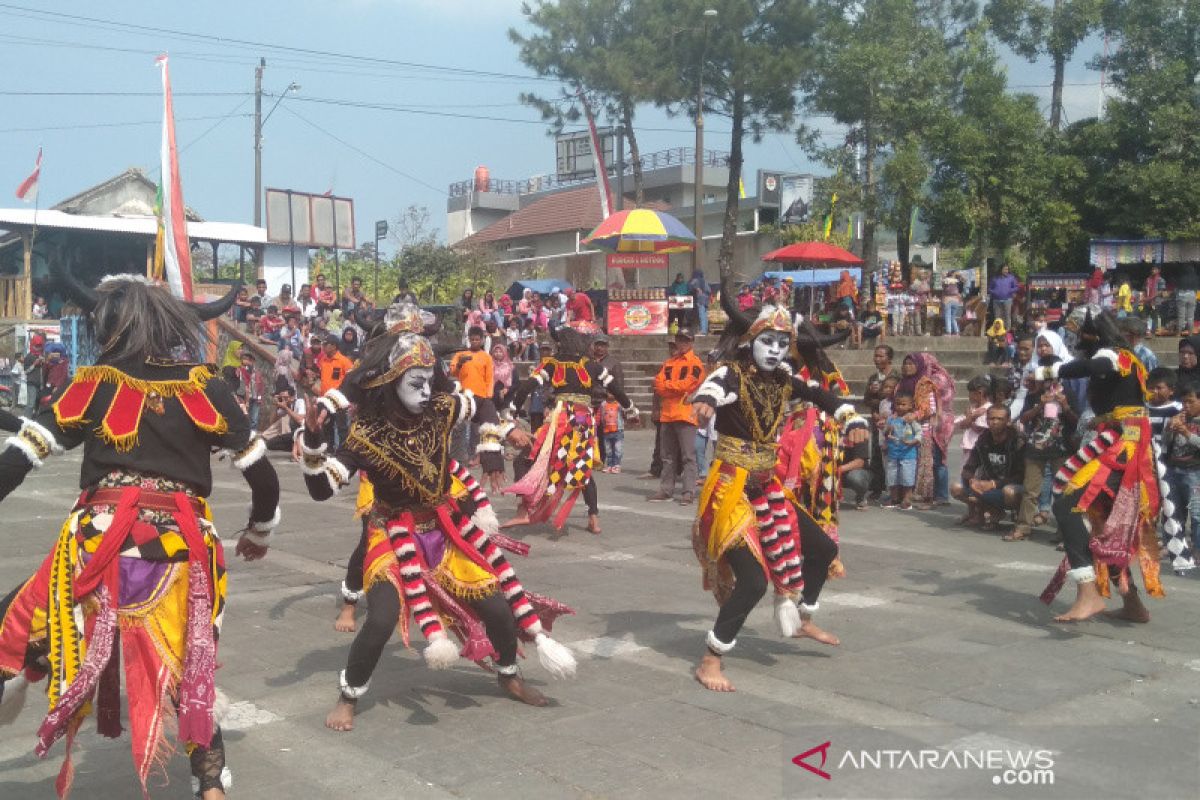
(1089, 452)
(473, 488)
(514, 592)
(777, 538)
(416, 595)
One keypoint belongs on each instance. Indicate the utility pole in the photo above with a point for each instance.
(258, 76)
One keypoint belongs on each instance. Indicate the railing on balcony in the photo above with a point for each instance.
(673, 157)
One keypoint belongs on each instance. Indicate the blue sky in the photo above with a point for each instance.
(386, 160)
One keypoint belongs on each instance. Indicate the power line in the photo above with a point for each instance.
(362, 152)
(8, 93)
(87, 126)
(232, 113)
(232, 41)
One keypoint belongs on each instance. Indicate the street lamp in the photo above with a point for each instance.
(698, 186)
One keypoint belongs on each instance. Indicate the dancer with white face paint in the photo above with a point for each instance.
(415, 390)
(746, 532)
(433, 549)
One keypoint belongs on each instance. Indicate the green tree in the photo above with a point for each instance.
(883, 68)
(1034, 29)
(595, 49)
(751, 58)
(997, 180)
(1142, 160)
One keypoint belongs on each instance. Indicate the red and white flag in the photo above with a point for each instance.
(606, 198)
(28, 189)
(175, 254)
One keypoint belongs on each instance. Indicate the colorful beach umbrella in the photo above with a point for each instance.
(642, 230)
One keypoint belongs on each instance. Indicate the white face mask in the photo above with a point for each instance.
(769, 349)
(415, 388)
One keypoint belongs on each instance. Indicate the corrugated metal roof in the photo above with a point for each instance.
(233, 232)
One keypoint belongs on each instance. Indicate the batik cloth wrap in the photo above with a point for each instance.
(564, 453)
(440, 558)
(129, 580)
(1122, 523)
(743, 504)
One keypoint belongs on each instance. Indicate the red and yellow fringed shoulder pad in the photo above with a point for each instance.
(1128, 362)
(133, 396)
(558, 372)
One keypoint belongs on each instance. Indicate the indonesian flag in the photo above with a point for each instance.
(606, 198)
(172, 253)
(28, 189)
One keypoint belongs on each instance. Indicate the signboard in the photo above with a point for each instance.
(637, 317)
(637, 260)
(678, 301)
(381, 229)
(795, 199)
(573, 154)
(768, 188)
(310, 220)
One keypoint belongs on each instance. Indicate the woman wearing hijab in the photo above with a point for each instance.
(233, 355)
(1049, 421)
(847, 290)
(502, 369)
(525, 305)
(932, 389)
(348, 343)
(285, 370)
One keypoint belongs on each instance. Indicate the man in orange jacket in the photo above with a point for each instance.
(679, 376)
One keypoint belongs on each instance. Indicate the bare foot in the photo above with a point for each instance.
(809, 630)
(593, 524)
(1088, 603)
(711, 676)
(516, 688)
(341, 719)
(213, 794)
(516, 522)
(345, 619)
(1132, 610)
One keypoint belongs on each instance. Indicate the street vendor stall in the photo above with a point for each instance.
(1054, 292)
(640, 238)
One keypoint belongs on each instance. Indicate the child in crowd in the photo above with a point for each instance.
(1181, 453)
(612, 421)
(1162, 406)
(903, 435)
(512, 335)
(974, 422)
(529, 342)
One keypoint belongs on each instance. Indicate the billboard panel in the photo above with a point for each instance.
(573, 154)
(313, 218)
(795, 199)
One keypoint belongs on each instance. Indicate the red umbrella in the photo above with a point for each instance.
(812, 253)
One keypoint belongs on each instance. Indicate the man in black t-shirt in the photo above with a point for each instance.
(855, 475)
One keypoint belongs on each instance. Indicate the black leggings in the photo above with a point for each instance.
(751, 581)
(354, 568)
(208, 762)
(1076, 537)
(383, 610)
(590, 497)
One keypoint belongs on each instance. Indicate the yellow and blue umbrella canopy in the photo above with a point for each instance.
(642, 230)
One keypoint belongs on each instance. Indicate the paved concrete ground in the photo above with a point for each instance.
(944, 645)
